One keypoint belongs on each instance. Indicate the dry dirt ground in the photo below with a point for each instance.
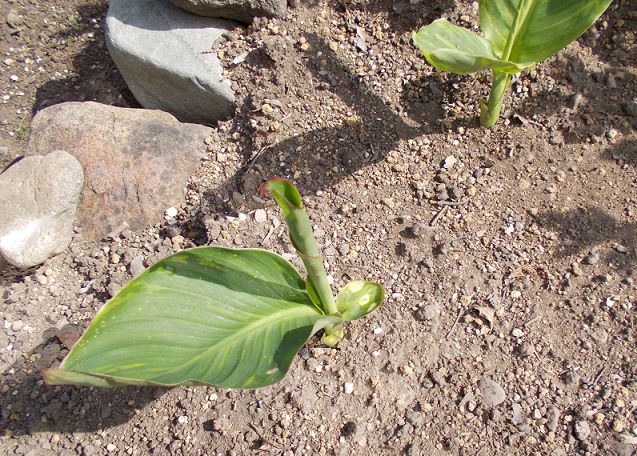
(506, 254)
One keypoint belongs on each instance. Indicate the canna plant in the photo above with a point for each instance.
(215, 316)
(518, 35)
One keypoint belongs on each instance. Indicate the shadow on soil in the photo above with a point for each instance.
(583, 230)
(327, 155)
(95, 77)
(30, 406)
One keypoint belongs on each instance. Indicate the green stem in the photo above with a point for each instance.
(490, 111)
(302, 237)
(333, 334)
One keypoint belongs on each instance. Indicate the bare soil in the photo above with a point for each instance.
(506, 254)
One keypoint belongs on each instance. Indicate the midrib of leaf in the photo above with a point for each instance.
(518, 25)
(288, 314)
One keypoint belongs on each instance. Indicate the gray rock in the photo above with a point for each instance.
(137, 266)
(240, 10)
(492, 393)
(582, 430)
(553, 417)
(164, 55)
(136, 161)
(38, 201)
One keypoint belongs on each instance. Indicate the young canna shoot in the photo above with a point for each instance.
(518, 35)
(215, 316)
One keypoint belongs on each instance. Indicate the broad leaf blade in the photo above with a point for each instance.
(458, 50)
(358, 299)
(529, 31)
(214, 316)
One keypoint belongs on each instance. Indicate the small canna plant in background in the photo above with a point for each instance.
(518, 35)
(216, 316)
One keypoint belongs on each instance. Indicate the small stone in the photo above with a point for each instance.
(592, 258)
(182, 419)
(110, 448)
(389, 202)
(618, 425)
(517, 332)
(260, 216)
(13, 20)
(492, 393)
(348, 388)
(171, 212)
(582, 430)
(552, 418)
(343, 249)
(450, 161)
(137, 266)
(518, 415)
(17, 326)
(113, 288)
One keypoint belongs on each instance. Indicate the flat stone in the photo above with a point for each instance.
(492, 393)
(164, 54)
(240, 10)
(136, 161)
(38, 201)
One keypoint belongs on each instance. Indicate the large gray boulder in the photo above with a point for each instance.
(136, 161)
(240, 10)
(38, 200)
(164, 54)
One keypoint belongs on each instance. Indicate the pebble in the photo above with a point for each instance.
(582, 430)
(592, 258)
(348, 388)
(450, 161)
(13, 20)
(260, 216)
(110, 448)
(137, 266)
(552, 418)
(171, 212)
(517, 332)
(492, 393)
(343, 249)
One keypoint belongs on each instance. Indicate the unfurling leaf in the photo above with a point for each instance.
(359, 298)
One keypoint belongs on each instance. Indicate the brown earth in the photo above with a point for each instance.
(514, 262)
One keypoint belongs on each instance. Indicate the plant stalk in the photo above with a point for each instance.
(490, 111)
(302, 237)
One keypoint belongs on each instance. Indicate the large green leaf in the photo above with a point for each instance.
(214, 316)
(458, 50)
(529, 31)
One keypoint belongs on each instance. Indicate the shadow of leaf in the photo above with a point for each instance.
(585, 229)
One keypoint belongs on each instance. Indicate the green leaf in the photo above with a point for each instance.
(359, 298)
(458, 50)
(213, 316)
(529, 31)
